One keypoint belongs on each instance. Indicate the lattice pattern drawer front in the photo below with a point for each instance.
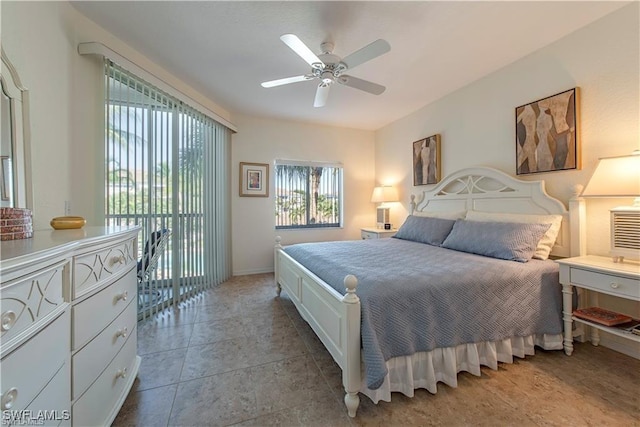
(29, 368)
(91, 360)
(94, 269)
(27, 300)
(93, 314)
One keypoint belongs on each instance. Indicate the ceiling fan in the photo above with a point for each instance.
(330, 68)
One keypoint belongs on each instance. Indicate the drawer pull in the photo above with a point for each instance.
(615, 285)
(122, 332)
(122, 296)
(8, 320)
(122, 373)
(9, 397)
(117, 260)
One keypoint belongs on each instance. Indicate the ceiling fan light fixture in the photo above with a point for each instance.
(329, 68)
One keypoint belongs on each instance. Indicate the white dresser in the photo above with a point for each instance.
(68, 303)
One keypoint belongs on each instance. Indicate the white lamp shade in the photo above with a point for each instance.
(384, 194)
(615, 177)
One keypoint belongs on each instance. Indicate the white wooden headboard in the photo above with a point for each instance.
(490, 190)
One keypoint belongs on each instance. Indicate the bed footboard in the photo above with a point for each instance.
(335, 318)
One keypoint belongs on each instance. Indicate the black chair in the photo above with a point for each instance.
(153, 250)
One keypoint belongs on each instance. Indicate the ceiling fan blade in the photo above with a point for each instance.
(301, 49)
(286, 80)
(321, 95)
(370, 51)
(364, 85)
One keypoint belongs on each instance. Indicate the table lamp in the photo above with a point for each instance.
(620, 177)
(383, 195)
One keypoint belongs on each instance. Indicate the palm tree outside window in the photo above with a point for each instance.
(308, 194)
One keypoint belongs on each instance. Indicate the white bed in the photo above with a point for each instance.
(335, 318)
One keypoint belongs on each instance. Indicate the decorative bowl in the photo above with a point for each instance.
(68, 222)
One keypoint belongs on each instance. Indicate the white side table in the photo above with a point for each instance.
(598, 275)
(376, 233)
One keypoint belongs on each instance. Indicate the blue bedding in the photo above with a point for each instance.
(416, 297)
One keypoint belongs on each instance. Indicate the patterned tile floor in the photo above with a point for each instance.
(238, 355)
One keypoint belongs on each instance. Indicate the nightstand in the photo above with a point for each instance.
(376, 233)
(599, 275)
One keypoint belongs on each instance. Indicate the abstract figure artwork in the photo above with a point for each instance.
(546, 134)
(426, 161)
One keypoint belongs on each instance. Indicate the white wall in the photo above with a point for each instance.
(265, 140)
(477, 122)
(67, 140)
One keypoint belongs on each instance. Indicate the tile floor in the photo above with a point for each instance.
(238, 355)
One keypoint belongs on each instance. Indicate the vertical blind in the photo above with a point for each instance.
(167, 170)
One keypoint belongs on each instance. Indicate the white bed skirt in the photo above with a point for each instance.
(425, 369)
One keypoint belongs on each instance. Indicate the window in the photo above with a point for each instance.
(308, 194)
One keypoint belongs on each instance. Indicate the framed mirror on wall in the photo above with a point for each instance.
(15, 161)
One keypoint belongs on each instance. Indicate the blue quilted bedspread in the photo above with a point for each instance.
(415, 297)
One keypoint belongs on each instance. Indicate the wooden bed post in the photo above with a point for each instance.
(275, 264)
(351, 371)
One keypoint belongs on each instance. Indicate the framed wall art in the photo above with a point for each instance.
(547, 134)
(254, 179)
(426, 161)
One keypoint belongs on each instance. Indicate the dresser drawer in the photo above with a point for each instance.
(95, 406)
(27, 370)
(93, 314)
(31, 298)
(606, 283)
(89, 362)
(55, 399)
(91, 270)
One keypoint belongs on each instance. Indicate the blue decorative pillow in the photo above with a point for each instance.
(431, 231)
(503, 240)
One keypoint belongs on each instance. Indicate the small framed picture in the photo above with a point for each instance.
(426, 161)
(254, 179)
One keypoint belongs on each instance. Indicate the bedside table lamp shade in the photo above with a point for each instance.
(382, 195)
(620, 177)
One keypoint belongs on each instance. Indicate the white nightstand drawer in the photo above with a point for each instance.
(376, 233)
(91, 360)
(368, 235)
(93, 314)
(607, 283)
(29, 299)
(92, 269)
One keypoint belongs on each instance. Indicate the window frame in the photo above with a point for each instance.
(338, 187)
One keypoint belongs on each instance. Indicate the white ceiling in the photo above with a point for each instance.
(226, 49)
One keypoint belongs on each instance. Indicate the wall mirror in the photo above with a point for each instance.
(15, 167)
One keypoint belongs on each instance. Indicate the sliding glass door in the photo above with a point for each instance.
(167, 169)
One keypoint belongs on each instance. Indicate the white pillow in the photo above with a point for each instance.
(442, 214)
(548, 240)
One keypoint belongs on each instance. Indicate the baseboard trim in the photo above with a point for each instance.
(621, 345)
(255, 271)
